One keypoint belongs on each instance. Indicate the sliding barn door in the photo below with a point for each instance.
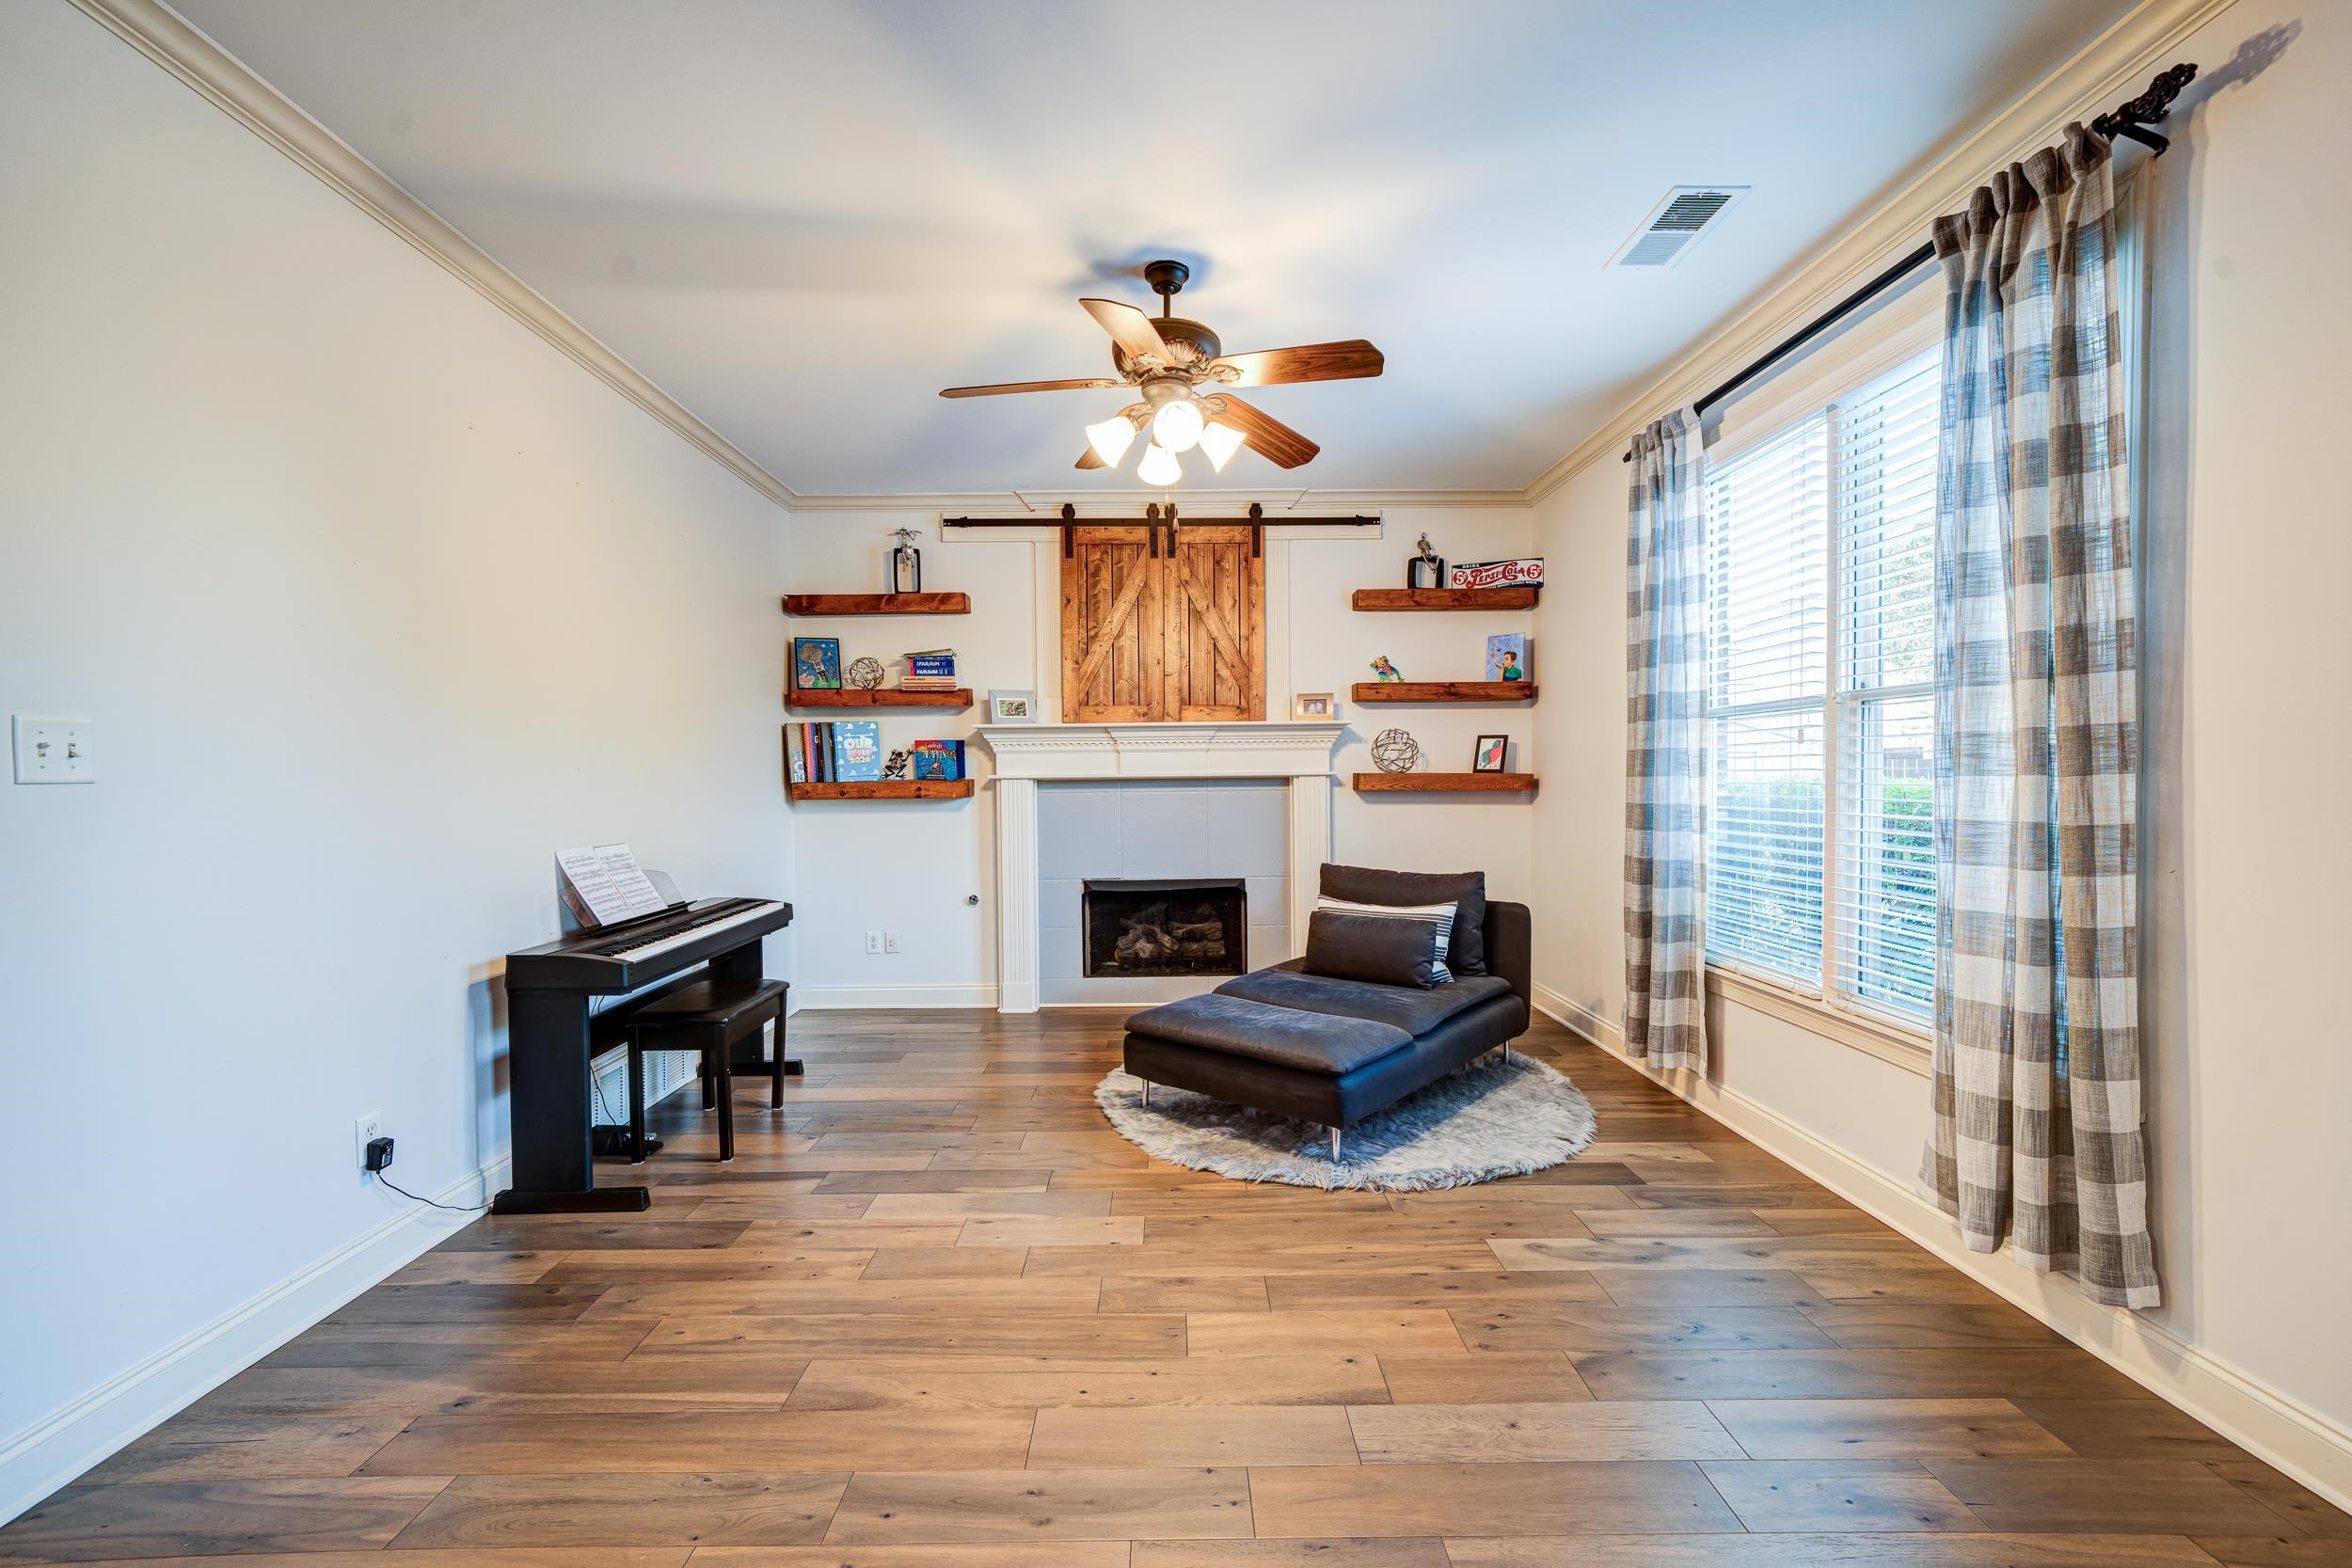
(1214, 619)
(1150, 632)
(1110, 627)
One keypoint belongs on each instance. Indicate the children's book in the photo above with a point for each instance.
(857, 754)
(937, 759)
(1506, 657)
(816, 663)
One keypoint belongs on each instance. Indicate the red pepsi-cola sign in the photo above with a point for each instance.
(1497, 574)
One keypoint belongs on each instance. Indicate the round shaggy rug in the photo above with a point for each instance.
(1492, 1118)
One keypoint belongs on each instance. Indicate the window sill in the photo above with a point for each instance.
(1889, 1042)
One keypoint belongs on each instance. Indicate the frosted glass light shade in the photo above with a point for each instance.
(1111, 438)
(1220, 441)
(1177, 425)
(1159, 466)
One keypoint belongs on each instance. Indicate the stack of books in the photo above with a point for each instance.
(848, 751)
(932, 670)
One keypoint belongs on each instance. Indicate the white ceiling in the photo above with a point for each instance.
(804, 217)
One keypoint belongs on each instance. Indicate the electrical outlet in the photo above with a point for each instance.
(890, 942)
(52, 751)
(873, 942)
(363, 1129)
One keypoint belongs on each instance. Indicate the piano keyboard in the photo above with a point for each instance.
(716, 920)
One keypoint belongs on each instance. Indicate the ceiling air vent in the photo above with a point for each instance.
(1675, 224)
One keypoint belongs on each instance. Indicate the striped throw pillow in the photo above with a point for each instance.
(1438, 917)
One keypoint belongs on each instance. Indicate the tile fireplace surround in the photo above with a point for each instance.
(1028, 754)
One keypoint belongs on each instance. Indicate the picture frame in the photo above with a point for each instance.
(1315, 705)
(817, 664)
(1506, 657)
(1012, 707)
(1492, 755)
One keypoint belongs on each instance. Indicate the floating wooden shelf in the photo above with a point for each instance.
(876, 696)
(877, 604)
(887, 789)
(1480, 782)
(1445, 599)
(1445, 691)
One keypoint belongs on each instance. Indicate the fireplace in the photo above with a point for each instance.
(1170, 927)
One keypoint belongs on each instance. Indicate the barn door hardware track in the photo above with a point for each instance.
(1158, 519)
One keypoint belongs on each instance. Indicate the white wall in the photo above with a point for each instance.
(909, 867)
(2244, 561)
(375, 600)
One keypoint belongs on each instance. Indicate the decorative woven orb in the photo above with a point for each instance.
(1395, 752)
(866, 673)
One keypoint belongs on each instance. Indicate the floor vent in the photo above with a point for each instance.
(1675, 224)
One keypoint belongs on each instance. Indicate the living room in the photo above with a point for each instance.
(1452, 957)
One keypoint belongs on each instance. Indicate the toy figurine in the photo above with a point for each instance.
(1385, 671)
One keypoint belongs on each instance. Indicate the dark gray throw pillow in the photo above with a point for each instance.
(1466, 891)
(1381, 948)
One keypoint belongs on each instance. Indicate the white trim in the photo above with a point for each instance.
(1130, 502)
(2117, 63)
(58, 1447)
(1250, 749)
(819, 999)
(1830, 371)
(173, 41)
(2267, 1423)
(1887, 1041)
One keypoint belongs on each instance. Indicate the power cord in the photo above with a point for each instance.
(453, 1208)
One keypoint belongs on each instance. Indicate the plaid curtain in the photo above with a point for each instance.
(2037, 1136)
(1665, 758)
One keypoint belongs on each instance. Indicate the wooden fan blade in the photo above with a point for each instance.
(1090, 459)
(1004, 386)
(1130, 329)
(1272, 367)
(1276, 442)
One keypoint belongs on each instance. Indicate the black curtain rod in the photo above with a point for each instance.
(2126, 120)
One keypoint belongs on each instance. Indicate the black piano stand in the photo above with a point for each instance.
(550, 1047)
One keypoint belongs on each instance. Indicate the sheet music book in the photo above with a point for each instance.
(602, 884)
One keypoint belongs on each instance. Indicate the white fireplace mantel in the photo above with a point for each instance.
(1027, 754)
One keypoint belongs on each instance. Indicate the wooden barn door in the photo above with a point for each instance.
(1212, 617)
(1153, 633)
(1110, 627)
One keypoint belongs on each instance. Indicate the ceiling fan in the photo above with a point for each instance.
(1183, 375)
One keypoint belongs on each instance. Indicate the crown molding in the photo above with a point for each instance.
(2118, 61)
(177, 45)
(1046, 503)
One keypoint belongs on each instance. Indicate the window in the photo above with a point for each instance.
(1820, 585)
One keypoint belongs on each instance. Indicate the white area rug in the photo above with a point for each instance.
(1489, 1120)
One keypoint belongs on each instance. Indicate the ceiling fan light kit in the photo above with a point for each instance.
(1170, 360)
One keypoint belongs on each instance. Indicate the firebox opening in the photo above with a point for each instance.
(1184, 926)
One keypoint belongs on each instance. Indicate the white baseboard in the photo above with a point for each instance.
(820, 998)
(2269, 1424)
(68, 1441)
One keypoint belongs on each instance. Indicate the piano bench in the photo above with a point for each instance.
(708, 1016)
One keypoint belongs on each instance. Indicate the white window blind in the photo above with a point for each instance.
(1821, 596)
(1885, 719)
(1768, 663)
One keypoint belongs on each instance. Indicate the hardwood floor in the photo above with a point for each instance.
(937, 1315)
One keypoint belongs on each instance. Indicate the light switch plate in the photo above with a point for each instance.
(52, 751)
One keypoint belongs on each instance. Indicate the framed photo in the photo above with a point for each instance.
(1314, 705)
(816, 663)
(1489, 757)
(1506, 657)
(1012, 707)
